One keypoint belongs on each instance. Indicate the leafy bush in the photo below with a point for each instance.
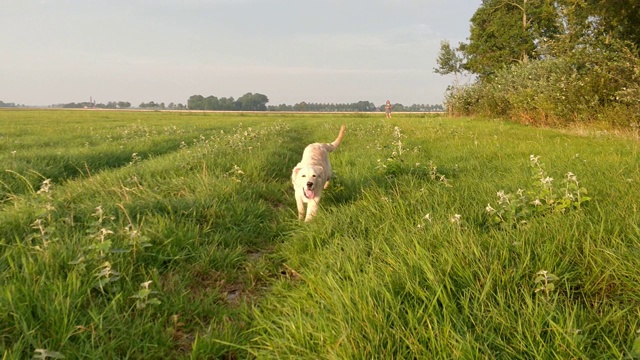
(596, 81)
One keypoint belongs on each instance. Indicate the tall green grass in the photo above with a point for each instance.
(403, 260)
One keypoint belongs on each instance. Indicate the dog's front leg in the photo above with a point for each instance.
(300, 205)
(312, 209)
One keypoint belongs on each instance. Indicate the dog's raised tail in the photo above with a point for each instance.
(337, 141)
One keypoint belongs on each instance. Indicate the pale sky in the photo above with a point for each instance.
(323, 51)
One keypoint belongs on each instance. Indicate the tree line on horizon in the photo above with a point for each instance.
(258, 102)
(8, 105)
(247, 102)
(94, 105)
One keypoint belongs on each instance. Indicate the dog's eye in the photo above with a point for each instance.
(304, 175)
(314, 175)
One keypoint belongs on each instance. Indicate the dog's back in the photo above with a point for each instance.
(317, 153)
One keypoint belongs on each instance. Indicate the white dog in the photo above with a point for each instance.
(312, 175)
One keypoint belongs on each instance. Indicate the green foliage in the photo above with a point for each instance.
(247, 102)
(545, 282)
(613, 19)
(396, 165)
(539, 199)
(7, 105)
(144, 296)
(507, 32)
(581, 86)
(553, 62)
(450, 61)
(108, 105)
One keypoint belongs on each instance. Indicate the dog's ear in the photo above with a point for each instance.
(294, 174)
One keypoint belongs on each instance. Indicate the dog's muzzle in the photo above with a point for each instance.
(308, 191)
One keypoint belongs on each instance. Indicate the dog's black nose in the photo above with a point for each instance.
(309, 184)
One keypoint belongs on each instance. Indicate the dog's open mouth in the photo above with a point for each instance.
(308, 193)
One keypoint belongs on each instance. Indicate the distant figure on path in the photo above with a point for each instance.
(387, 109)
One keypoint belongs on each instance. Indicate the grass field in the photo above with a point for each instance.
(174, 235)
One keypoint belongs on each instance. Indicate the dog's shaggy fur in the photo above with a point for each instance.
(312, 175)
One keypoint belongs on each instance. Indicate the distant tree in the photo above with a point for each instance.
(228, 104)
(151, 105)
(253, 102)
(424, 108)
(301, 106)
(364, 106)
(72, 105)
(196, 102)
(211, 103)
(124, 104)
(247, 102)
(281, 107)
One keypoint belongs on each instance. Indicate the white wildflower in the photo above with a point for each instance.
(98, 211)
(503, 197)
(104, 232)
(456, 219)
(45, 187)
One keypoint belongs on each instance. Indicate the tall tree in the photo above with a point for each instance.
(504, 32)
(613, 19)
(450, 62)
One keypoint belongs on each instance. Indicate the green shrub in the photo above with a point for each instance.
(596, 81)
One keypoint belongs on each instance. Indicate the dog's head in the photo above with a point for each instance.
(309, 179)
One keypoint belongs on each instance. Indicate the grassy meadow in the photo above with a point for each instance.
(175, 235)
